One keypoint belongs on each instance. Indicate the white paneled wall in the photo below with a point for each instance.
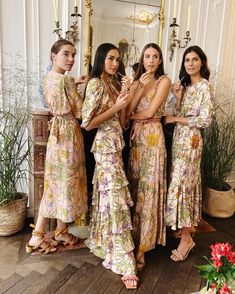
(27, 29)
(207, 28)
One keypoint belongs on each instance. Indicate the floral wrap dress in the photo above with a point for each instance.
(184, 197)
(65, 188)
(110, 235)
(147, 177)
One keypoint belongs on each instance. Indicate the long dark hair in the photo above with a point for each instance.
(100, 55)
(56, 47)
(204, 71)
(140, 70)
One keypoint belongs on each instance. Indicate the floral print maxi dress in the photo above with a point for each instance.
(65, 190)
(184, 194)
(110, 236)
(147, 177)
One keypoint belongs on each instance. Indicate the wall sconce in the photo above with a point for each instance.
(72, 34)
(174, 41)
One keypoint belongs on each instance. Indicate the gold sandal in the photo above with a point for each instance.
(178, 256)
(41, 245)
(68, 239)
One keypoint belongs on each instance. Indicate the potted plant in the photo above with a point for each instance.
(14, 147)
(218, 160)
(14, 151)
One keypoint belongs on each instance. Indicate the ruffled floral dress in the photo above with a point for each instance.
(65, 188)
(110, 236)
(184, 196)
(147, 177)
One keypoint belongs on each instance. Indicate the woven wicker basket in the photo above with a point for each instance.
(12, 216)
(218, 203)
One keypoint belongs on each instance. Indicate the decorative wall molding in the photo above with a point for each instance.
(27, 28)
(216, 5)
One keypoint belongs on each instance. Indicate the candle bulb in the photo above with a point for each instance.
(174, 13)
(75, 3)
(189, 17)
(55, 6)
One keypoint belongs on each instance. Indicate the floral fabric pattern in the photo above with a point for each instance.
(110, 236)
(184, 195)
(65, 191)
(147, 177)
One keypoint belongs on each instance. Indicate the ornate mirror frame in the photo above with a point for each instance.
(87, 59)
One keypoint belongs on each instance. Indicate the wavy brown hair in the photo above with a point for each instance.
(204, 71)
(140, 70)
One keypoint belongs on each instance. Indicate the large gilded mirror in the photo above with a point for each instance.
(127, 24)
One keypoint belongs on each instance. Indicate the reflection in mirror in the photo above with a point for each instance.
(128, 24)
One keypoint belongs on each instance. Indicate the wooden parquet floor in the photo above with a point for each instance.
(78, 271)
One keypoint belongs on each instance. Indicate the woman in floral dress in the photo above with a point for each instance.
(65, 190)
(147, 163)
(194, 106)
(110, 236)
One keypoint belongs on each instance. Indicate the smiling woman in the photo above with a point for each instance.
(114, 20)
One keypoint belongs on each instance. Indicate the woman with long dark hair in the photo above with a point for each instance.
(147, 163)
(194, 106)
(103, 108)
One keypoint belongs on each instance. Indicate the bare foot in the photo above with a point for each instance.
(130, 281)
(182, 252)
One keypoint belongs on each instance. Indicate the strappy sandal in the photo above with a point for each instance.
(130, 281)
(178, 256)
(40, 244)
(67, 239)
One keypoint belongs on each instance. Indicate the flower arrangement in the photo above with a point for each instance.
(220, 270)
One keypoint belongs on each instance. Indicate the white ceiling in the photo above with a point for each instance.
(121, 9)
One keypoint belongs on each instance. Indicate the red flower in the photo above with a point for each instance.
(220, 270)
(222, 249)
(224, 290)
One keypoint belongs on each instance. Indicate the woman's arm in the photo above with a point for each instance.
(120, 103)
(176, 119)
(160, 96)
(136, 92)
(123, 117)
(206, 108)
(203, 118)
(177, 90)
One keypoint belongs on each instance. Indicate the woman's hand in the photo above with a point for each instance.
(177, 90)
(126, 83)
(121, 101)
(169, 119)
(145, 78)
(81, 80)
